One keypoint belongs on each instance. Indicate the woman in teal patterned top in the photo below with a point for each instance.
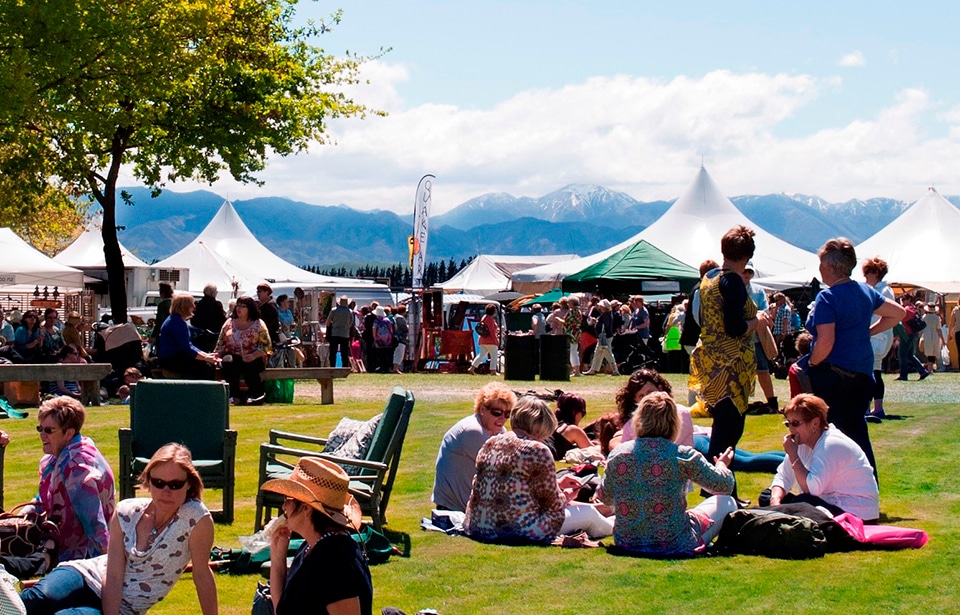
(646, 482)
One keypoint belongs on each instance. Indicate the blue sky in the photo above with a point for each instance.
(842, 100)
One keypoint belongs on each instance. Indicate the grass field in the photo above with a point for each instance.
(916, 457)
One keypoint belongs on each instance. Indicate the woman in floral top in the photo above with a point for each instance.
(153, 541)
(516, 498)
(243, 347)
(646, 482)
(76, 488)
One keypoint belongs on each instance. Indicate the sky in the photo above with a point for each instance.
(843, 100)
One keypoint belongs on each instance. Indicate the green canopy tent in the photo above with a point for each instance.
(641, 267)
(547, 298)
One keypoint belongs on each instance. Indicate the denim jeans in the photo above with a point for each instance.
(907, 356)
(63, 592)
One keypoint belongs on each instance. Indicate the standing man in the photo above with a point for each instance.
(640, 320)
(338, 332)
(269, 312)
(163, 310)
(209, 314)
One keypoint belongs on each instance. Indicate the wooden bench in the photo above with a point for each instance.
(323, 375)
(88, 374)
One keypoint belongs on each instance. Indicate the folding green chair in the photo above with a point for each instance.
(195, 413)
(372, 478)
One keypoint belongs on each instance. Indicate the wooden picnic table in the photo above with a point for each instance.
(88, 374)
(323, 375)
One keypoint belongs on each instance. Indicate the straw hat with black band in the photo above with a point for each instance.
(321, 485)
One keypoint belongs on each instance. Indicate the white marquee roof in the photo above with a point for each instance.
(22, 265)
(487, 273)
(920, 246)
(690, 231)
(226, 250)
(86, 251)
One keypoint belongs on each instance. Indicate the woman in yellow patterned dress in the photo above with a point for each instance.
(723, 364)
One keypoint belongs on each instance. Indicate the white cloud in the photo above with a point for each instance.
(636, 134)
(854, 59)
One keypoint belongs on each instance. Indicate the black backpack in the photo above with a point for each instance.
(771, 534)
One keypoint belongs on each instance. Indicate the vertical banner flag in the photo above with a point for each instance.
(421, 221)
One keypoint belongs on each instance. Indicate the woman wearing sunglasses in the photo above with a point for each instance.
(457, 459)
(830, 469)
(516, 497)
(76, 490)
(153, 540)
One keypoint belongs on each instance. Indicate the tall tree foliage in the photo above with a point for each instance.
(169, 89)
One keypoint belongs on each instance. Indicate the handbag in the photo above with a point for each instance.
(262, 604)
(24, 534)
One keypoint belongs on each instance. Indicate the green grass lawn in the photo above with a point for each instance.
(458, 576)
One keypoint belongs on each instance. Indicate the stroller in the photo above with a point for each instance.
(631, 353)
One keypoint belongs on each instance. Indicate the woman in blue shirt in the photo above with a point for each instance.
(841, 355)
(176, 353)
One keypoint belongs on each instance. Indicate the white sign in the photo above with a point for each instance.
(8, 278)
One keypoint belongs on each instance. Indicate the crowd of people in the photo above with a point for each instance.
(495, 468)
(124, 557)
(504, 483)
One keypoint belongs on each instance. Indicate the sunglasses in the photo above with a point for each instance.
(174, 485)
(793, 423)
(47, 430)
(497, 413)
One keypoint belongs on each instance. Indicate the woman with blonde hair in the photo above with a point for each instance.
(457, 460)
(151, 542)
(646, 482)
(516, 497)
(176, 353)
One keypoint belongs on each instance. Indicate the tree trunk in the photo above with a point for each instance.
(112, 254)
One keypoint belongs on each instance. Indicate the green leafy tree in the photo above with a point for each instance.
(164, 89)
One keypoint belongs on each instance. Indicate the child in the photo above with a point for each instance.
(131, 376)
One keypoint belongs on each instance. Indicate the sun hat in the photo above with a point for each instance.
(749, 267)
(380, 313)
(321, 485)
(344, 300)
(73, 316)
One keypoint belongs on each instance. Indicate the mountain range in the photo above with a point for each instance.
(579, 218)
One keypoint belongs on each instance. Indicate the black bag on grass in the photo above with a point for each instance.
(771, 534)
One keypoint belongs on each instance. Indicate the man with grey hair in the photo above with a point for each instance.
(209, 314)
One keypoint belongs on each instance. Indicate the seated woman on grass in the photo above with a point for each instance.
(457, 459)
(571, 408)
(829, 468)
(516, 496)
(646, 482)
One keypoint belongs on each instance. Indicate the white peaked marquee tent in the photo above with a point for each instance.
(487, 273)
(689, 231)
(23, 267)
(226, 251)
(86, 251)
(920, 246)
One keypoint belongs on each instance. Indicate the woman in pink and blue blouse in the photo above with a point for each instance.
(646, 482)
(76, 490)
